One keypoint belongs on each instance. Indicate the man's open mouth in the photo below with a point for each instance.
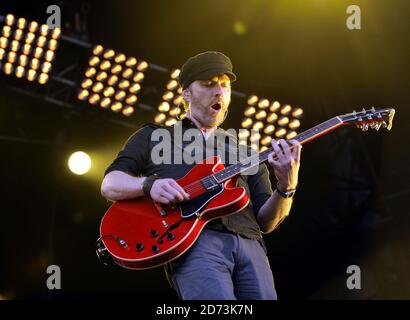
(216, 107)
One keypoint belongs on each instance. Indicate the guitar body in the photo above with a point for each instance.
(141, 234)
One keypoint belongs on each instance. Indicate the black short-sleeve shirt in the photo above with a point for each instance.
(140, 157)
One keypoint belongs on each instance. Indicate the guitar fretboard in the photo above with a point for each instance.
(261, 157)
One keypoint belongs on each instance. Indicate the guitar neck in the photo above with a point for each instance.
(261, 157)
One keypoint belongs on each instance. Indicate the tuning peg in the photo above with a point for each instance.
(365, 127)
(373, 109)
(360, 119)
(378, 125)
(384, 124)
(363, 110)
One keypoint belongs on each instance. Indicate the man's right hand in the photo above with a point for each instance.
(168, 191)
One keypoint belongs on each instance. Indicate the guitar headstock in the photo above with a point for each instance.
(371, 118)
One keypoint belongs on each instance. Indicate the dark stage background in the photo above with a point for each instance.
(351, 207)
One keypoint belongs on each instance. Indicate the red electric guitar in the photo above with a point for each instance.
(141, 234)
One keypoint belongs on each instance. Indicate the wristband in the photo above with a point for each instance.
(147, 185)
(285, 194)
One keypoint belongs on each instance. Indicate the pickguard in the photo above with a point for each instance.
(190, 207)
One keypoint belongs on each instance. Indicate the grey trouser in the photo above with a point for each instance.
(223, 266)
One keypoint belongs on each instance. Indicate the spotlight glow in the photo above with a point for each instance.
(79, 163)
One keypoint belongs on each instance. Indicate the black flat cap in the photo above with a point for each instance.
(204, 66)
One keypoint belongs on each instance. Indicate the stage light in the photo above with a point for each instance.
(8, 68)
(285, 110)
(250, 111)
(294, 124)
(262, 115)
(79, 163)
(178, 100)
(105, 65)
(12, 57)
(258, 125)
(291, 135)
(83, 94)
(44, 30)
(274, 106)
(101, 76)
(272, 118)
(108, 54)
(30, 38)
(142, 66)
(160, 118)
(94, 98)
(116, 69)
(35, 64)
(113, 80)
(131, 99)
(280, 133)
(297, 113)
(131, 62)
(22, 60)
(98, 49)
(118, 78)
(105, 103)
(52, 44)
(283, 121)
(175, 73)
(124, 84)
(269, 129)
(19, 71)
(135, 88)
(31, 75)
(252, 100)
(127, 73)
(172, 84)
(27, 47)
(41, 41)
(116, 106)
(164, 107)
(6, 31)
(86, 83)
(98, 87)
(119, 58)
(9, 19)
(21, 23)
(33, 27)
(120, 95)
(139, 77)
(263, 104)
(3, 42)
(168, 95)
(267, 140)
(255, 137)
(127, 111)
(18, 34)
(170, 121)
(246, 123)
(170, 106)
(38, 52)
(175, 111)
(108, 92)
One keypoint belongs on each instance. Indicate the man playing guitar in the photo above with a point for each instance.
(228, 260)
